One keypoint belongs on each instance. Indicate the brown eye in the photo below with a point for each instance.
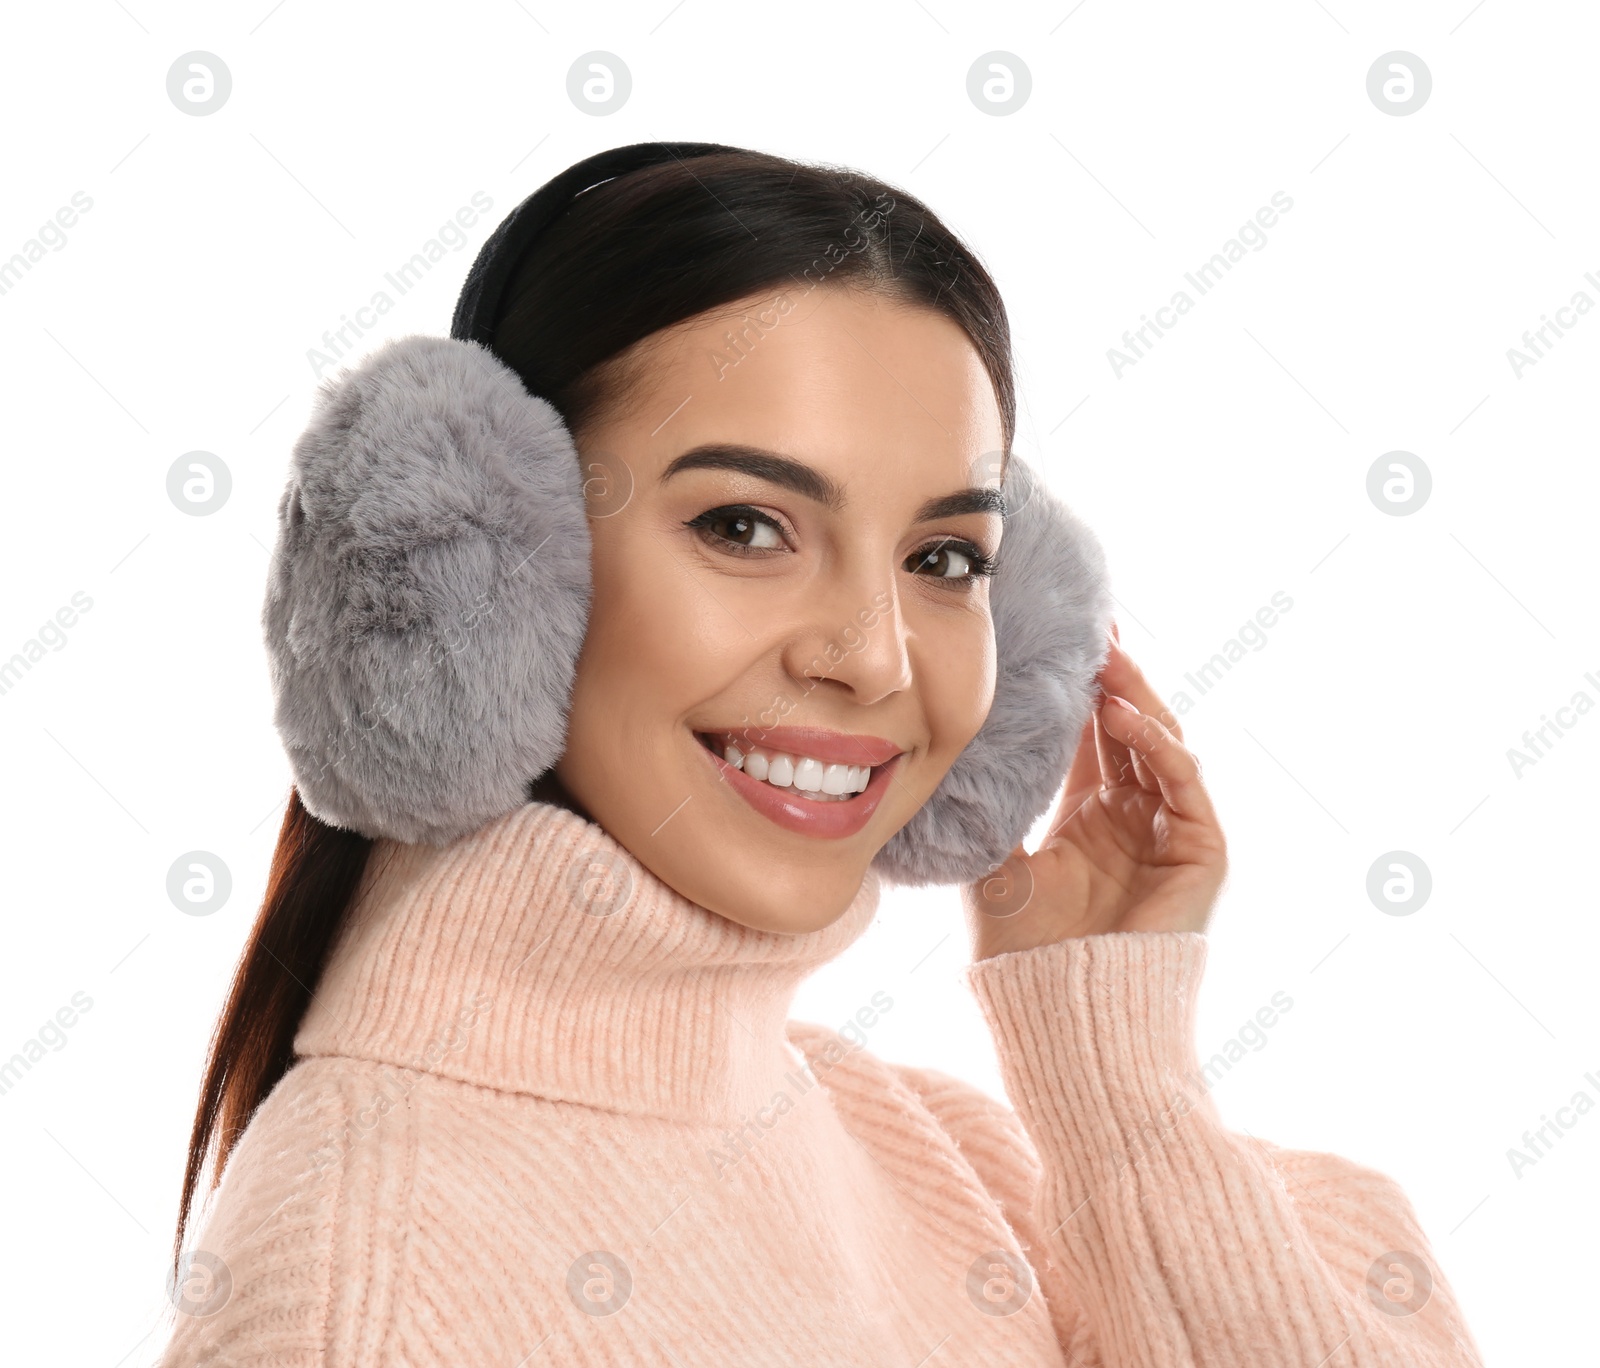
(739, 529)
(745, 530)
(941, 562)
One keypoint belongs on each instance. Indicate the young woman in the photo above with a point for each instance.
(531, 1096)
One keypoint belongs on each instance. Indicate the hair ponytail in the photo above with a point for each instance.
(316, 869)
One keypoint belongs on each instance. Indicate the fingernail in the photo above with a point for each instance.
(1117, 698)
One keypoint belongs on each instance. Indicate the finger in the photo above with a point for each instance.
(1084, 772)
(1082, 778)
(1111, 759)
(1116, 765)
(1145, 775)
(1122, 677)
(1083, 775)
(1176, 770)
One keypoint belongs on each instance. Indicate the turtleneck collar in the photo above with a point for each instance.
(537, 955)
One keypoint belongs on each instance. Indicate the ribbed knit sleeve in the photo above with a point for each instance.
(1184, 1243)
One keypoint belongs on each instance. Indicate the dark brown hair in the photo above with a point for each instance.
(632, 256)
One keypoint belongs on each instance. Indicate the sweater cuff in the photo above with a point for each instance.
(1095, 1038)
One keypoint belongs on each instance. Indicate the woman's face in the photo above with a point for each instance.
(788, 505)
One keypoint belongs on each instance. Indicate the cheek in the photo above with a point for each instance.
(957, 670)
(654, 636)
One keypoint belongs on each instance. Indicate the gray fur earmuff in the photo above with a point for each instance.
(428, 594)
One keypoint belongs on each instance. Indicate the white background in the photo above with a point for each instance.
(1226, 465)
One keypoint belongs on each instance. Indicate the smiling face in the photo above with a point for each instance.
(788, 539)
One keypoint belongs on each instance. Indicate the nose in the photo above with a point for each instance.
(854, 637)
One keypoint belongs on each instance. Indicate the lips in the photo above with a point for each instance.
(831, 747)
(832, 818)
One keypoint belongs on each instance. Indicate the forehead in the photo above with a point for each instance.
(864, 387)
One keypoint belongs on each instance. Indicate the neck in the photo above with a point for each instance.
(548, 788)
(537, 955)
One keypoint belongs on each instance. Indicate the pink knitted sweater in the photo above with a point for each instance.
(549, 1112)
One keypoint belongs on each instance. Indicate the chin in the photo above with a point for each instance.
(790, 899)
(791, 855)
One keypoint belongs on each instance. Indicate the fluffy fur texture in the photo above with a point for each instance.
(430, 589)
(428, 593)
(1051, 605)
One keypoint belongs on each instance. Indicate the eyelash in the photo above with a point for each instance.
(982, 565)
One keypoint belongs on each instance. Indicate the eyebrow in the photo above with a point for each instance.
(813, 484)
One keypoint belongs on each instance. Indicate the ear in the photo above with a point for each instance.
(428, 594)
(1052, 609)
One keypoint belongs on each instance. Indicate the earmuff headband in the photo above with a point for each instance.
(478, 309)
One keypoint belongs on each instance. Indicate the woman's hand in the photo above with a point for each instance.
(1134, 844)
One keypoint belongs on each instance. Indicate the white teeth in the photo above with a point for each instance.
(811, 776)
(808, 774)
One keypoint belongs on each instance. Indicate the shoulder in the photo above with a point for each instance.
(1364, 1227)
(1351, 1204)
(849, 1069)
(310, 1179)
(984, 1131)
